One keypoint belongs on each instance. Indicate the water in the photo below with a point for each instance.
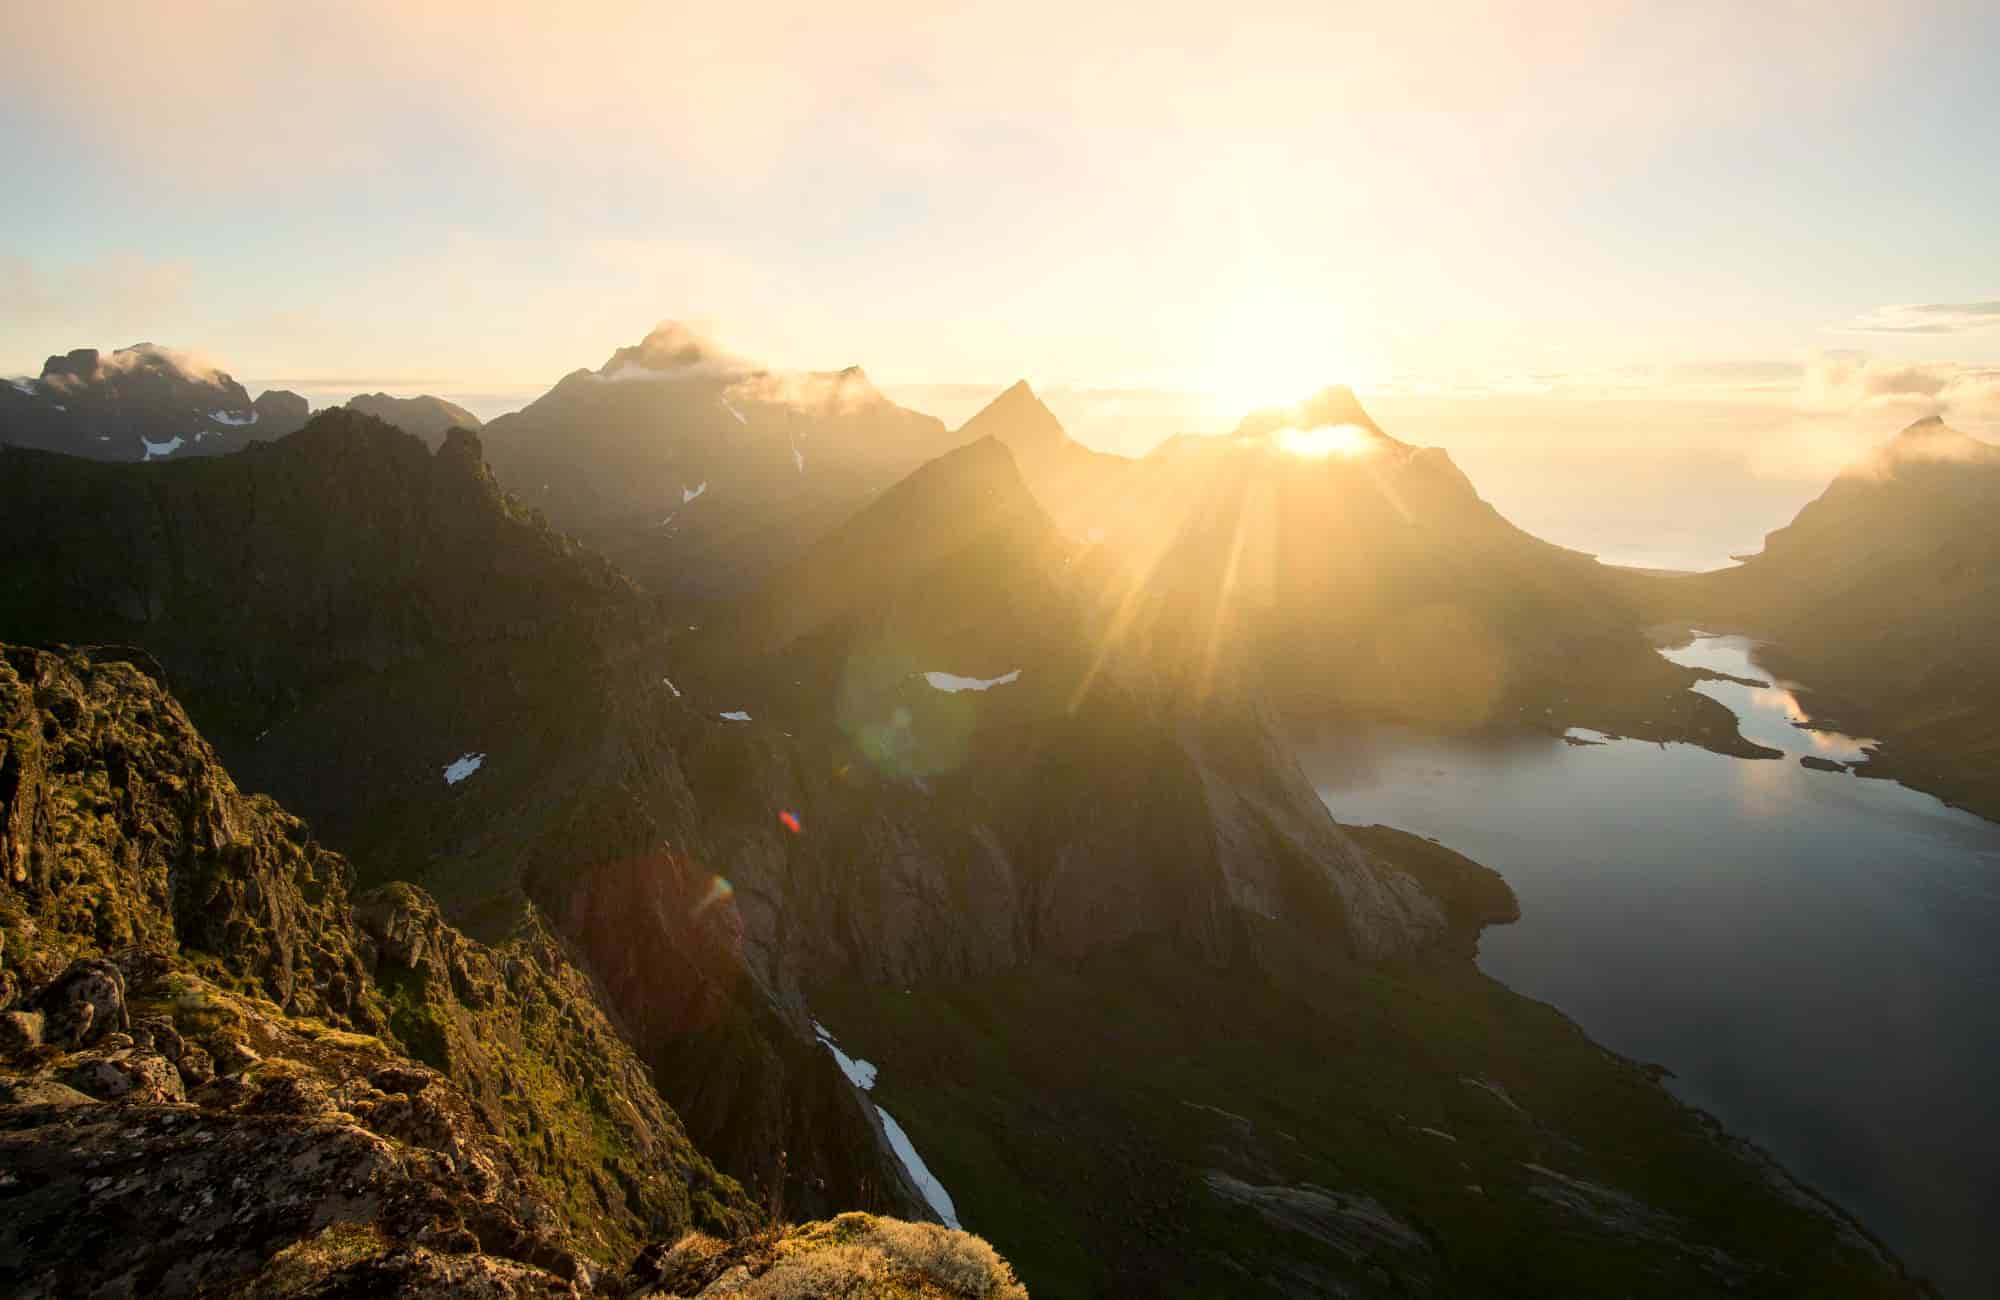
(1813, 954)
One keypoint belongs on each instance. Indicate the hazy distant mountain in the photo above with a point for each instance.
(1883, 596)
(1349, 575)
(699, 472)
(144, 402)
(429, 418)
(1081, 488)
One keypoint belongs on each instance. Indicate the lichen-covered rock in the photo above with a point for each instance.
(859, 1255)
(84, 1004)
(19, 1031)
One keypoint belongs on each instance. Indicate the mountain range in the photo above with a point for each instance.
(911, 829)
(146, 402)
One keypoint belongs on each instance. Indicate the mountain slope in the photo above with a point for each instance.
(500, 714)
(452, 692)
(380, 1095)
(1353, 577)
(697, 472)
(429, 418)
(1883, 597)
(1083, 490)
(139, 403)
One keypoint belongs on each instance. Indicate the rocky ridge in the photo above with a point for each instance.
(205, 1029)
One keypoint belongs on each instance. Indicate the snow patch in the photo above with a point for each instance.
(798, 458)
(461, 767)
(859, 1073)
(862, 1075)
(237, 421)
(670, 686)
(952, 683)
(736, 715)
(690, 493)
(927, 1182)
(733, 411)
(167, 448)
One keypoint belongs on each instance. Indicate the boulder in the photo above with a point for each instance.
(84, 1003)
(20, 1031)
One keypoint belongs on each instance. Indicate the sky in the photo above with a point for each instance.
(1547, 218)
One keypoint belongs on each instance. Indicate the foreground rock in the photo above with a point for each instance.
(220, 1070)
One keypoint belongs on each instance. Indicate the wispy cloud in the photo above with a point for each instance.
(1926, 318)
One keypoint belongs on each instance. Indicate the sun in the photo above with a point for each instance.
(1272, 350)
(1327, 440)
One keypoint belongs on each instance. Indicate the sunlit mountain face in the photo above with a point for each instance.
(1315, 558)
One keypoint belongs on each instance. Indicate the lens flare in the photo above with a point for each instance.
(719, 891)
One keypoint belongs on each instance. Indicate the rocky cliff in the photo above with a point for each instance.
(205, 1033)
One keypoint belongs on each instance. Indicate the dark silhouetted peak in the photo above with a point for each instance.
(461, 447)
(1017, 418)
(78, 363)
(279, 412)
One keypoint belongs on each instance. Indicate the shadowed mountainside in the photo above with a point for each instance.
(140, 403)
(193, 999)
(429, 418)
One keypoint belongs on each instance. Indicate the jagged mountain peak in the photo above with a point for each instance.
(1016, 417)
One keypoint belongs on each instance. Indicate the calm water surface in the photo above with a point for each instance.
(1815, 955)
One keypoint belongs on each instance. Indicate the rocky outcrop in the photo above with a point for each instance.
(197, 1001)
(852, 1255)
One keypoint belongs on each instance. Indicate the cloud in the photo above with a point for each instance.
(148, 356)
(1845, 384)
(1926, 318)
